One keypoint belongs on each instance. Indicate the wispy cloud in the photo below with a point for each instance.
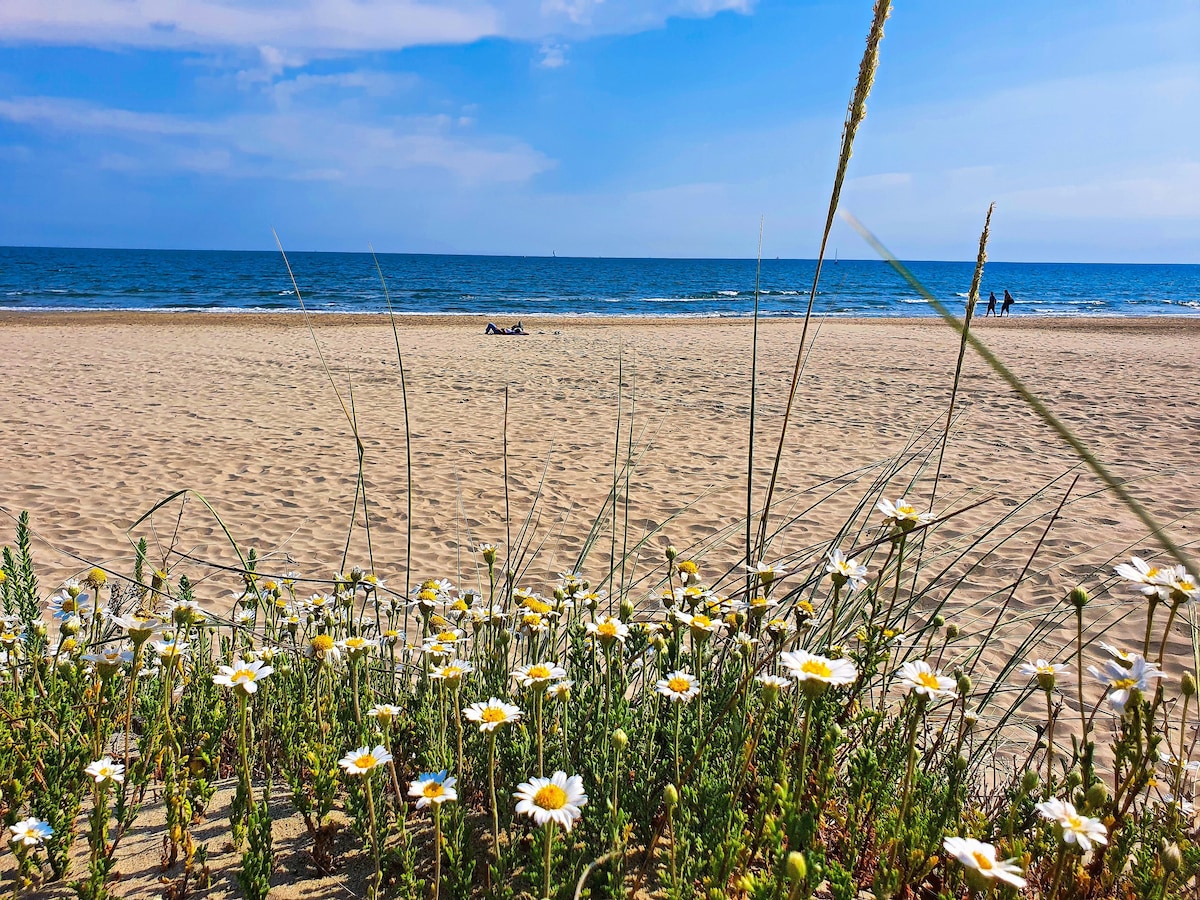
(552, 55)
(330, 25)
(308, 144)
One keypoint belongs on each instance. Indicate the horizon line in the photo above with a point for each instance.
(552, 255)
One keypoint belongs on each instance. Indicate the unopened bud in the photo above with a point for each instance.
(939, 621)
(797, 867)
(1172, 858)
(964, 684)
(952, 631)
(671, 553)
(1078, 598)
(1029, 781)
(1097, 796)
(620, 740)
(1187, 684)
(671, 796)
(626, 610)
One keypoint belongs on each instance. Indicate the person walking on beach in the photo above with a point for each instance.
(1008, 302)
(991, 310)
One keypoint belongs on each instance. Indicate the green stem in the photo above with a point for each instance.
(549, 853)
(378, 879)
(492, 793)
(437, 850)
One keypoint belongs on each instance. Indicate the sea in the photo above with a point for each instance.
(509, 287)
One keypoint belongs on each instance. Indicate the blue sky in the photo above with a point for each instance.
(600, 127)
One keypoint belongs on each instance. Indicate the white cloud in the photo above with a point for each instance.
(553, 55)
(327, 26)
(309, 144)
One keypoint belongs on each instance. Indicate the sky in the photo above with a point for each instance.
(601, 127)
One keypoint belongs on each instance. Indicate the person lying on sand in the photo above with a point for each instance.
(516, 329)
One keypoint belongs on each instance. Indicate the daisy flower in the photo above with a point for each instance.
(241, 675)
(452, 673)
(766, 572)
(902, 514)
(845, 572)
(689, 572)
(560, 690)
(171, 649)
(323, 649)
(1181, 585)
(105, 770)
(555, 799)
(1151, 580)
(980, 861)
(383, 713)
(606, 630)
(539, 675)
(1044, 672)
(1121, 682)
(491, 715)
(1076, 829)
(364, 760)
(678, 687)
(356, 647)
(817, 673)
(30, 832)
(919, 677)
(433, 789)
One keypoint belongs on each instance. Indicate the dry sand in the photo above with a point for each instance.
(104, 415)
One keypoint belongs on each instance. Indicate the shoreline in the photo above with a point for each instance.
(351, 319)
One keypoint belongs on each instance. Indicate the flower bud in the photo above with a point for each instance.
(1029, 781)
(671, 796)
(1097, 796)
(964, 684)
(626, 610)
(1078, 598)
(96, 578)
(939, 621)
(1172, 858)
(1187, 684)
(620, 740)
(671, 553)
(952, 631)
(797, 867)
(489, 555)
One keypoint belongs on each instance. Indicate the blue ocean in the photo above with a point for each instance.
(502, 287)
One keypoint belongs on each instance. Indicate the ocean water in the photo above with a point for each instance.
(508, 287)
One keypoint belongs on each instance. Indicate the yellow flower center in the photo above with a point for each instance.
(816, 667)
(355, 643)
(928, 680)
(539, 672)
(434, 789)
(550, 797)
(322, 643)
(679, 685)
(242, 675)
(984, 864)
(1075, 823)
(608, 629)
(448, 636)
(427, 596)
(1124, 684)
(366, 761)
(452, 672)
(537, 606)
(493, 714)
(701, 622)
(688, 566)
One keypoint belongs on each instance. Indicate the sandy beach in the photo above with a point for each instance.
(108, 414)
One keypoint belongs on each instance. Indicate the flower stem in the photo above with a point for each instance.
(378, 879)
(549, 853)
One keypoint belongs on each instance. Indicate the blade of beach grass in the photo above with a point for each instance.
(408, 466)
(1116, 485)
(753, 399)
(855, 113)
(972, 300)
